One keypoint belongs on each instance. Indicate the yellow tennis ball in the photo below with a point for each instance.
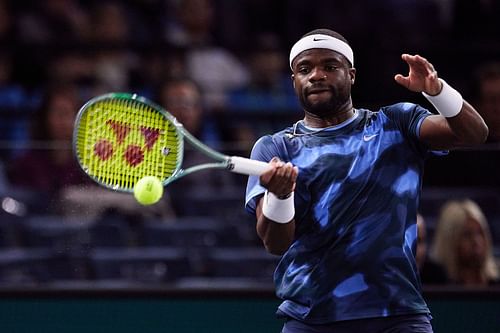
(148, 190)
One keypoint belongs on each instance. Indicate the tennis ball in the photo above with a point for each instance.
(148, 190)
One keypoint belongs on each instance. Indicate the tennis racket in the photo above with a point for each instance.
(120, 138)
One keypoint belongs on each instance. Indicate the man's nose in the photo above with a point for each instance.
(317, 74)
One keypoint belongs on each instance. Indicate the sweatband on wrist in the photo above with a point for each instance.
(278, 210)
(448, 102)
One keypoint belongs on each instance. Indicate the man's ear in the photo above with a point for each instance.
(352, 74)
(293, 80)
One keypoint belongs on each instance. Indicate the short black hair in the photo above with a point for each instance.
(327, 32)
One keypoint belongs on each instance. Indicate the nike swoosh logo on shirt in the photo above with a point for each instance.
(367, 138)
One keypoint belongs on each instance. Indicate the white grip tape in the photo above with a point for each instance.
(448, 102)
(247, 166)
(278, 210)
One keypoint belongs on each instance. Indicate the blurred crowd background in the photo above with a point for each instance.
(221, 67)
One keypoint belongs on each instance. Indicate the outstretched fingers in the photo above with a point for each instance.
(421, 77)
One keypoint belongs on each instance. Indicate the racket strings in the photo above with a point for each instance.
(120, 140)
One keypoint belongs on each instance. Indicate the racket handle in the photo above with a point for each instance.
(247, 166)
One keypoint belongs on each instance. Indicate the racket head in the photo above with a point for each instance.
(119, 138)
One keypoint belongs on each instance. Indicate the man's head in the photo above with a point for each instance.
(321, 62)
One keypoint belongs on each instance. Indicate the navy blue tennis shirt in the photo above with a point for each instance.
(356, 199)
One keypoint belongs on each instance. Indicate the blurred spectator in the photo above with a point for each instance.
(192, 23)
(11, 94)
(270, 86)
(430, 271)
(488, 97)
(463, 245)
(213, 67)
(70, 67)
(7, 29)
(61, 21)
(183, 99)
(157, 65)
(48, 165)
(112, 23)
(112, 31)
(485, 90)
(269, 91)
(15, 106)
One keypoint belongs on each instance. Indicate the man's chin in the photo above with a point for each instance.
(319, 108)
(320, 97)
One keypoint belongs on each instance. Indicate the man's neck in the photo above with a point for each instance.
(315, 121)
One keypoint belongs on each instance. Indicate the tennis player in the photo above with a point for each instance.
(340, 201)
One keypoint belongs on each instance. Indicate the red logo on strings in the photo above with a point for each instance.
(133, 154)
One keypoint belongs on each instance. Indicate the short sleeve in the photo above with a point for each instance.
(263, 150)
(408, 118)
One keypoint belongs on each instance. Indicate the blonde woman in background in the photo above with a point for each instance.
(463, 245)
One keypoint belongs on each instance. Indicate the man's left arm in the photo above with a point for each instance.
(458, 123)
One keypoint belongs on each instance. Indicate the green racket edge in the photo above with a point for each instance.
(178, 173)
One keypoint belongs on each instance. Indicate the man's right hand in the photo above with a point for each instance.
(280, 178)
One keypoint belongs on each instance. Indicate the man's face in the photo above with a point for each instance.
(322, 80)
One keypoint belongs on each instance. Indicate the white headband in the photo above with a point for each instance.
(320, 41)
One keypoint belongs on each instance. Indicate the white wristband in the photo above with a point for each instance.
(278, 210)
(448, 102)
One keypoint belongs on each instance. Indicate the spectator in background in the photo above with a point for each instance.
(268, 92)
(430, 271)
(13, 97)
(49, 165)
(463, 245)
(7, 28)
(156, 66)
(183, 99)
(112, 29)
(73, 68)
(211, 66)
(54, 21)
(191, 24)
(488, 97)
(269, 88)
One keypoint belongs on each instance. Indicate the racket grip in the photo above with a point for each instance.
(247, 166)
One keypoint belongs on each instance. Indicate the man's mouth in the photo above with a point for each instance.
(317, 90)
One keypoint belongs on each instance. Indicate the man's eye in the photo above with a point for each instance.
(331, 68)
(303, 70)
